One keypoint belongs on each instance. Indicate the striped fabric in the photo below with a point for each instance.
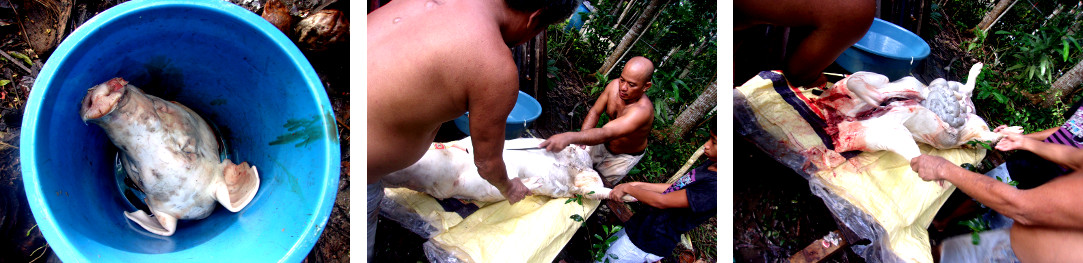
(1071, 133)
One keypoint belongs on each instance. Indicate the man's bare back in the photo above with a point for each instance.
(416, 83)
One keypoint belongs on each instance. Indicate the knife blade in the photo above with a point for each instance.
(526, 148)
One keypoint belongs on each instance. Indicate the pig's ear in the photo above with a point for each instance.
(161, 224)
(238, 187)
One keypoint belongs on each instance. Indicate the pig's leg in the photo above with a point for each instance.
(589, 184)
(891, 135)
(238, 185)
(161, 224)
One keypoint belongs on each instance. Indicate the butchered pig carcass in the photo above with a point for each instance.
(447, 171)
(866, 112)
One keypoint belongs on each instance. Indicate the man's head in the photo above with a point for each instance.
(635, 79)
(541, 13)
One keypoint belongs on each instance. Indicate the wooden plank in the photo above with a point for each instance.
(821, 248)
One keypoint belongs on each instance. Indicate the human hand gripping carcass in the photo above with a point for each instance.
(866, 112)
(447, 171)
(170, 153)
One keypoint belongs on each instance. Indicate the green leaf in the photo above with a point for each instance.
(21, 56)
(1064, 42)
(975, 238)
(4, 82)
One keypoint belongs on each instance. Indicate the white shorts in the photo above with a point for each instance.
(612, 167)
(623, 251)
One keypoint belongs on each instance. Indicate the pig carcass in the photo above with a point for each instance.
(866, 112)
(447, 171)
(170, 153)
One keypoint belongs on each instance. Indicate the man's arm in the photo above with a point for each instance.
(1040, 136)
(646, 193)
(595, 112)
(613, 129)
(1053, 204)
(490, 101)
(653, 187)
(1063, 155)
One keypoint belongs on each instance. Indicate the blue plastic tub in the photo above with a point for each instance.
(580, 16)
(234, 69)
(886, 49)
(527, 109)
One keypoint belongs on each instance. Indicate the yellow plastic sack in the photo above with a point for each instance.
(533, 230)
(879, 184)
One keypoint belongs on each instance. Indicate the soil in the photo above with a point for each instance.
(21, 240)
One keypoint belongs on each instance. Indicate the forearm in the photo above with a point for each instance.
(589, 137)
(653, 187)
(1063, 155)
(654, 199)
(1040, 136)
(494, 172)
(995, 194)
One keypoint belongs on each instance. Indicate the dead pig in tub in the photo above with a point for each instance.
(447, 171)
(170, 153)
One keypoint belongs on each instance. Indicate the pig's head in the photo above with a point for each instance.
(102, 99)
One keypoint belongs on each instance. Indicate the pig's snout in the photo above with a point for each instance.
(102, 99)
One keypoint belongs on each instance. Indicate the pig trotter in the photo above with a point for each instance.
(238, 186)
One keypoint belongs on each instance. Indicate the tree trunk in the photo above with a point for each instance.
(691, 115)
(1064, 85)
(699, 50)
(668, 55)
(999, 10)
(640, 26)
(626, 8)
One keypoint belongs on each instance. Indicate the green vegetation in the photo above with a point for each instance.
(1024, 53)
(681, 42)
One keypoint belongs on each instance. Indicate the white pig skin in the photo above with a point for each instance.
(447, 171)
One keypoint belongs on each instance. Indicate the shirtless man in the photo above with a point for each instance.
(1048, 220)
(625, 136)
(430, 61)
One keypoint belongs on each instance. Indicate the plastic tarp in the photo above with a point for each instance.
(875, 194)
(533, 230)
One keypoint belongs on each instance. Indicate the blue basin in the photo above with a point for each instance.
(886, 49)
(227, 64)
(527, 109)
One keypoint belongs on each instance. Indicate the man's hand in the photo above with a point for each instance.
(516, 191)
(557, 142)
(618, 191)
(1011, 142)
(930, 167)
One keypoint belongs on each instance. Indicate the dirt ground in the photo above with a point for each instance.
(775, 213)
(21, 240)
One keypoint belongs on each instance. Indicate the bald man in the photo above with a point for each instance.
(620, 143)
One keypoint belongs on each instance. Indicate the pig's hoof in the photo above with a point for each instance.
(238, 187)
(161, 224)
